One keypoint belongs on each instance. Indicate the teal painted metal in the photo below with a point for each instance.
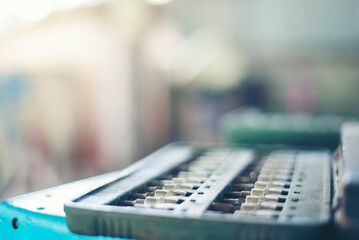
(40, 215)
(34, 225)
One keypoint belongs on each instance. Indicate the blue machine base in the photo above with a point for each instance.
(40, 215)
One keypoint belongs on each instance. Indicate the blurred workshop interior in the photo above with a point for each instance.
(90, 86)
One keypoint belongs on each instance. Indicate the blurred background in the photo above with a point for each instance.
(89, 86)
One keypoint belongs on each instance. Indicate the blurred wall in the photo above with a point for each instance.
(74, 115)
(94, 88)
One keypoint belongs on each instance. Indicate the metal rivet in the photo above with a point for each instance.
(15, 223)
